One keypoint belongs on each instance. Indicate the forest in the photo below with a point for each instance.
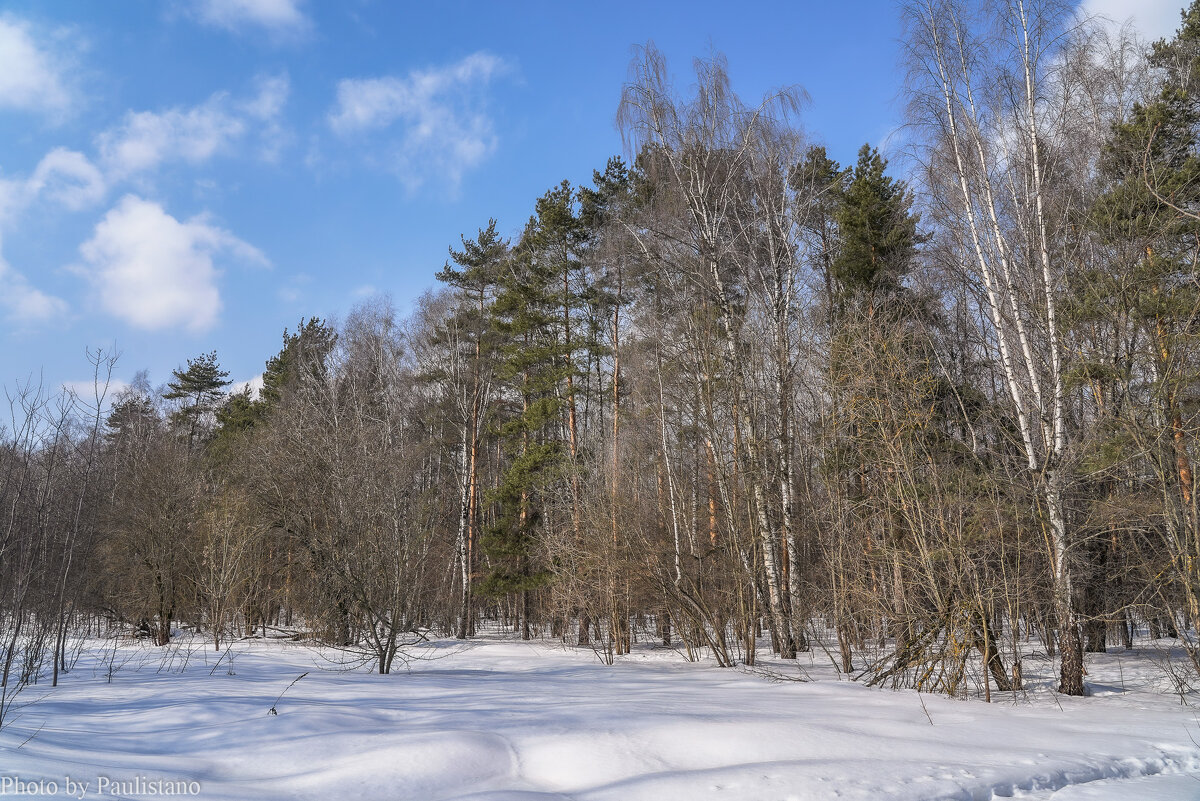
(924, 416)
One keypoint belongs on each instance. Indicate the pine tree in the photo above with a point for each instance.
(240, 412)
(304, 350)
(200, 388)
(555, 241)
(876, 249)
(532, 313)
(1153, 161)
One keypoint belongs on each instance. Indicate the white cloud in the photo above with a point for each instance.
(293, 291)
(439, 113)
(25, 303)
(255, 386)
(267, 108)
(30, 75)
(65, 177)
(68, 178)
(88, 389)
(146, 139)
(156, 272)
(273, 91)
(281, 18)
(1154, 19)
(12, 198)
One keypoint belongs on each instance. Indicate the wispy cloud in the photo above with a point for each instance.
(266, 107)
(272, 94)
(156, 272)
(31, 72)
(1154, 19)
(65, 178)
(432, 123)
(293, 290)
(133, 285)
(89, 389)
(24, 303)
(68, 178)
(282, 19)
(145, 140)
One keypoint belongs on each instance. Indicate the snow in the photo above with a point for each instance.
(499, 720)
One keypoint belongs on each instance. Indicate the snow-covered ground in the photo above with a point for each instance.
(509, 721)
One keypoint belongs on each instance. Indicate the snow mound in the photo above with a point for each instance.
(496, 720)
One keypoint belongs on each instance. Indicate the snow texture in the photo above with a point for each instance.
(497, 720)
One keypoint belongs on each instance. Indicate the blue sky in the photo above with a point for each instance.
(183, 176)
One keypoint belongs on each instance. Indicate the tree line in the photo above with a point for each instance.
(730, 396)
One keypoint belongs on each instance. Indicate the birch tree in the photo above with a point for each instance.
(980, 85)
(700, 150)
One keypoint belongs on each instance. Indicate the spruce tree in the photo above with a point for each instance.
(878, 234)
